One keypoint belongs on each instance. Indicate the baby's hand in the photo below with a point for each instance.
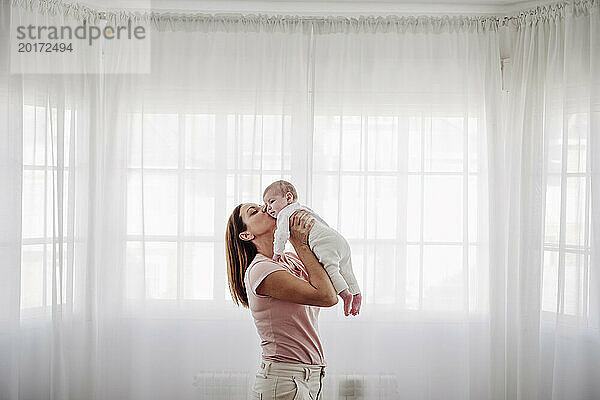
(356, 300)
(276, 257)
(347, 297)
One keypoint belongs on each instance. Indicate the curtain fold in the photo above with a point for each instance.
(471, 212)
(550, 321)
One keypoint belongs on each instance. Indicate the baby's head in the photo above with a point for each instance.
(278, 195)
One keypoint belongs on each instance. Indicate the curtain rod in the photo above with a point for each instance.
(578, 6)
(503, 19)
(170, 19)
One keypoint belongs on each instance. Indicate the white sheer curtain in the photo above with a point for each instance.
(48, 292)
(402, 121)
(472, 230)
(552, 309)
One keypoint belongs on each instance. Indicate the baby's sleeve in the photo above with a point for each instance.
(259, 271)
(282, 233)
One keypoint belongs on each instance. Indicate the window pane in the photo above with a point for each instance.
(352, 209)
(575, 218)
(444, 144)
(244, 140)
(32, 276)
(276, 140)
(414, 143)
(67, 136)
(443, 208)
(33, 204)
(161, 270)
(199, 141)
(381, 274)
(552, 228)
(52, 222)
(574, 284)
(478, 280)
(134, 203)
(475, 134)
(326, 143)
(199, 213)
(443, 281)
(61, 290)
(413, 266)
(135, 276)
(382, 207)
(550, 281)
(352, 144)
(577, 142)
(249, 189)
(325, 194)
(34, 135)
(133, 129)
(473, 207)
(554, 139)
(198, 271)
(229, 196)
(382, 143)
(413, 209)
(160, 139)
(160, 204)
(50, 133)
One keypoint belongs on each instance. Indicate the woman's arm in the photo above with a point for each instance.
(282, 285)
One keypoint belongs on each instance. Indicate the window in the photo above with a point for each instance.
(409, 192)
(566, 259)
(409, 204)
(45, 194)
(185, 174)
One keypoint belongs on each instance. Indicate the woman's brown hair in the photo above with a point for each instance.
(240, 254)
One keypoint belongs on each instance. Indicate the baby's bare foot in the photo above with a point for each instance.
(356, 300)
(347, 297)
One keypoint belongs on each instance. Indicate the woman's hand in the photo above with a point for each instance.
(299, 228)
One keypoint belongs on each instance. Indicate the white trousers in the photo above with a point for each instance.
(287, 381)
(333, 252)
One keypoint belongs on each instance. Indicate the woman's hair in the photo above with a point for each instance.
(240, 254)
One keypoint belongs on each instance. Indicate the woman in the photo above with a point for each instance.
(284, 298)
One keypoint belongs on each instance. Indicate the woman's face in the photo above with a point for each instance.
(257, 221)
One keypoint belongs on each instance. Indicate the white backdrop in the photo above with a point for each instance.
(471, 212)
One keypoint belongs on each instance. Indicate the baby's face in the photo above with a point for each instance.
(275, 203)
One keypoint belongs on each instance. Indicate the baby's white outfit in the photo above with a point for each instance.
(330, 248)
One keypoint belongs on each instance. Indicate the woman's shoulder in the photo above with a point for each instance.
(263, 260)
(261, 266)
(286, 258)
(258, 258)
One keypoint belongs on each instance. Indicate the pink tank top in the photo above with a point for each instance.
(289, 332)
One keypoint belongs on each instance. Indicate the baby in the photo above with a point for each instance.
(330, 248)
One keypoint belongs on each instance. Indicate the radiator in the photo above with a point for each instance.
(361, 387)
(223, 385)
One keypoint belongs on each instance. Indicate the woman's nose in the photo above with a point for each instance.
(264, 208)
